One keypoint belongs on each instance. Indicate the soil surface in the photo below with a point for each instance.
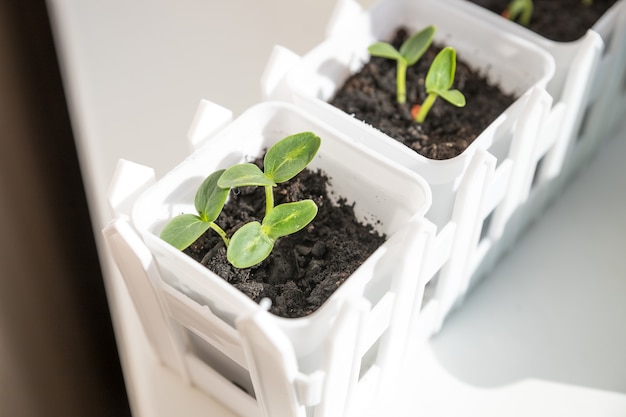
(558, 20)
(305, 268)
(370, 96)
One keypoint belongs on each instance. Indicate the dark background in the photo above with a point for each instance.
(57, 348)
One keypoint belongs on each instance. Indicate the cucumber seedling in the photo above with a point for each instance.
(409, 53)
(522, 10)
(439, 80)
(519, 10)
(253, 242)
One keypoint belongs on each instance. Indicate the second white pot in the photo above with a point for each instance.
(515, 64)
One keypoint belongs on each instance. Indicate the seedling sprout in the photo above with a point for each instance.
(438, 82)
(520, 10)
(253, 242)
(409, 53)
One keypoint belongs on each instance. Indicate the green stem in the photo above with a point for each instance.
(269, 199)
(428, 103)
(220, 232)
(401, 81)
(521, 10)
(527, 14)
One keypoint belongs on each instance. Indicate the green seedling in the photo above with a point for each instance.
(439, 82)
(519, 10)
(522, 10)
(410, 52)
(253, 242)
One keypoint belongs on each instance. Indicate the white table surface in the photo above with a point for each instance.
(543, 335)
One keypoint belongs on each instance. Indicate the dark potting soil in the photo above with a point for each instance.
(370, 96)
(305, 268)
(558, 20)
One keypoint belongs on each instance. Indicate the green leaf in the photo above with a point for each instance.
(454, 97)
(441, 73)
(288, 218)
(249, 246)
(242, 175)
(183, 230)
(384, 50)
(439, 79)
(290, 156)
(210, 198)
(413, 48)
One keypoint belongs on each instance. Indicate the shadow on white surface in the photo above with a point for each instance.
(553, 309)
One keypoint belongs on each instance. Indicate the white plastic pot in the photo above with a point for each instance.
(489, 180)
(589, 90)
(588, 87)
(219, 339)
(516, 65)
